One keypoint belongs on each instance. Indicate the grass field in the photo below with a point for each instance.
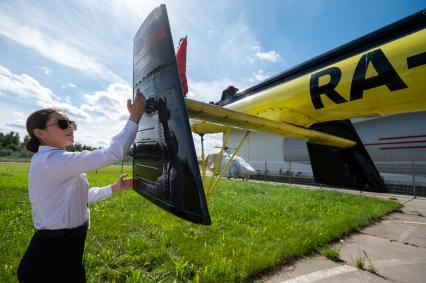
(255, 227)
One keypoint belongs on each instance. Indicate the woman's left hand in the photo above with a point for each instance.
(122, 184)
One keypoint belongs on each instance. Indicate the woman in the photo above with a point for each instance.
(59, 192)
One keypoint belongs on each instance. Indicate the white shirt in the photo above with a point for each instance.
(58, 187)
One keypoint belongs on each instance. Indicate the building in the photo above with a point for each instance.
(396, 144)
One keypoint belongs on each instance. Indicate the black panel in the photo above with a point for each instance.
(350, 167)
(165, 164)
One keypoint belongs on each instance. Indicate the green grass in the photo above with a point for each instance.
(359, 262)
(255, 227)
(332, 253)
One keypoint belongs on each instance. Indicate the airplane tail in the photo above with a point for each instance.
(344, 167)
(165, 165)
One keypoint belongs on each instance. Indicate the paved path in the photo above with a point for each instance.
(394, 248)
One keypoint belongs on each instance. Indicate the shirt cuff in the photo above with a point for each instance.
(98, 194)
(108, 190)
(131, 125)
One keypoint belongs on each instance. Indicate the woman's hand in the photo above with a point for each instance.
(137, 108)
(122, 184)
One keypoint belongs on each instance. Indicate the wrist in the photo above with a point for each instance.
(114, 188)
(134, 119)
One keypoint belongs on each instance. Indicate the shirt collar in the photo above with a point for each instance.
(45, 148)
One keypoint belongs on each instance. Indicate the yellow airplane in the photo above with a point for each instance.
(379, 74)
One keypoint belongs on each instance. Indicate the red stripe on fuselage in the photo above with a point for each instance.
(403, 147)
(402, 137)
(402, 142)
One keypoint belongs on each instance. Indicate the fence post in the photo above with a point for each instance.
(289, 172)
(266, 170)
(413, 179)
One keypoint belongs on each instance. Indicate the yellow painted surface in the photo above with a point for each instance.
(291, 101)
(287, 109)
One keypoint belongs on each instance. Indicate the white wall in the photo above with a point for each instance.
(278, 152)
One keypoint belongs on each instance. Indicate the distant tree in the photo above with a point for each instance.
(9, 143)
(10, 140)
(79, 147)
(26, 139)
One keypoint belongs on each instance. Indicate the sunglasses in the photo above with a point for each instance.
(64, 124)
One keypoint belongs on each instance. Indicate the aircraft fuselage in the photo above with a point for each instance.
(380, 74)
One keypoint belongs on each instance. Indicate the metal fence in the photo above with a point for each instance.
(406, 178)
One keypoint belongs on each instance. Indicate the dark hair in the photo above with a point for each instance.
(37, 120)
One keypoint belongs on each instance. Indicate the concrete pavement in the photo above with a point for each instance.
(392, 250)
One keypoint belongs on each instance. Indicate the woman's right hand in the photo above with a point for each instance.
(122, 184)
(137, 108)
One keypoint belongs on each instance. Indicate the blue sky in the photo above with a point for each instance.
(77, 55)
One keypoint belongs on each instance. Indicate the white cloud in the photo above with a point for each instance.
(110, 103)
(24, 86)
(102, 116)
(98, 133)
(248, 59)
(269, 56)
(67, 99)
(45, 70)
(208, 91)
(50, 47)
(12, 121)
(71, 85)
(234, 47)
(15, 122)
(260, 76)
(17, 125)
(256, 48)
(71, 110)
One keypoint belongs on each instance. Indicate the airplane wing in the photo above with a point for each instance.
(210, 118)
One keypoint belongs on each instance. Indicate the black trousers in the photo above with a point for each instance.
(54, 256)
